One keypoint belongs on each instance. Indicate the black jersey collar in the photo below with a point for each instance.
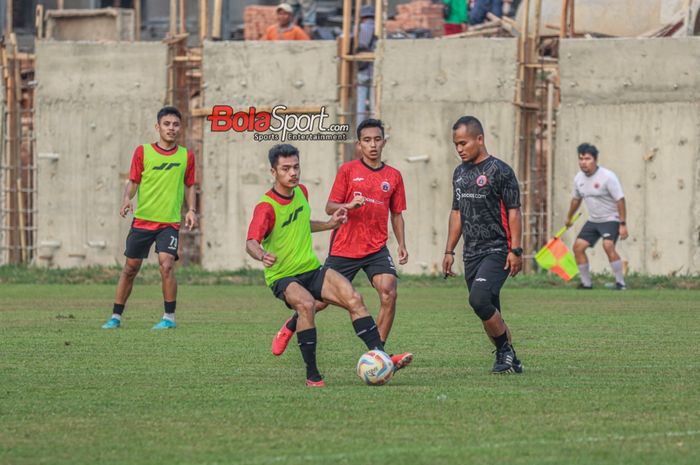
(286, 197)
(370, 168)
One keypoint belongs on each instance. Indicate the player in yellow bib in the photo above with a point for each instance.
(279, 236)
(163, 174)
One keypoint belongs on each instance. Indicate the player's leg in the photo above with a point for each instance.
(138, 243)
(386, 287)
(610, 231)
(488, 280)
(166, 246)
(337, 290)
(281, 339)
(588, 237)
(301, 300)
(345, 266)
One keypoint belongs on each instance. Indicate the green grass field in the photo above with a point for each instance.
(610, 378)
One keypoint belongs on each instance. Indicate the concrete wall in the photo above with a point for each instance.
(638, 101)
(603, 16)
(105, 24)
(427, 86)
(95, 103)
(235, 167)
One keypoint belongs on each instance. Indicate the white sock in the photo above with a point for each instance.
(169, 316)
(585, 273)
(618, 271)
(117, 316)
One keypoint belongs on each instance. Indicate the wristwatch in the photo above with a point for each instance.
(518, 251)
(623, 223)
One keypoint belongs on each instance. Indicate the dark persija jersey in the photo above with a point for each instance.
(483, 193)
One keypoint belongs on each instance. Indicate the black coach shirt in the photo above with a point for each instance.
(483, 193)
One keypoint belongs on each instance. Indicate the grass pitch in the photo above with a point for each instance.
(610, 378)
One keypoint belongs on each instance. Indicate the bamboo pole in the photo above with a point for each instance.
(173, 18)
(572, 29)
(550, 151)
(39, 21)
(59, 4)
(22, 225)
(379, 19)
(356, 26)
(344, 64)
(203, 20)
(183, 16)
(137, 20)
(522, 59)
(216, 20)
(8, 17)
(563, 21)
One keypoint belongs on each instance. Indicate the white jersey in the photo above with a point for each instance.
(600, 191)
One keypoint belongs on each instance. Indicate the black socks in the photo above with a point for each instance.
(307, 345)
(366, 329)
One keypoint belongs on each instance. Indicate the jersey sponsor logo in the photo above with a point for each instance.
(358, 179)
(166, 166)
(482, 180)
(468, 195)
(385, 186)
(293, 216)
(367, 199)
(480, 280)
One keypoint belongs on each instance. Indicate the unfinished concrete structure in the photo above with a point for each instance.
(427, 86)
(95, 104)
(638, 101)
(113, 24)
(235, 167)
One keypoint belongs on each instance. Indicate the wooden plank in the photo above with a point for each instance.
(188, 58)
(365, 56)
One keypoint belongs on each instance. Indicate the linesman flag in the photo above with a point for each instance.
(556, 257)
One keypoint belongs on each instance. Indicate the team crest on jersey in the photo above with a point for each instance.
(596, 186)
(482, 180)
(385, 186)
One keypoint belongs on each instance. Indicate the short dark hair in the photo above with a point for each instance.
(370, 123)
(169, 110)
(589, 149)
(472, 124)
(281, 150)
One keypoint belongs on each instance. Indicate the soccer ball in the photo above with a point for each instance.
(375, 368)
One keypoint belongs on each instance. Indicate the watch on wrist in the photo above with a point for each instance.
(623, 223)
(517, 251)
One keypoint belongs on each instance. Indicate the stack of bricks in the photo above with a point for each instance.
(418, 14)
(257, 19)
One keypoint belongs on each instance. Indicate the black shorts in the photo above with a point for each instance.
(487, 271)
(591, 232)
(312, 281)
(139, 241)
(373, 264)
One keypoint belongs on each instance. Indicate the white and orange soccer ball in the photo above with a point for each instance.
(375, 368)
